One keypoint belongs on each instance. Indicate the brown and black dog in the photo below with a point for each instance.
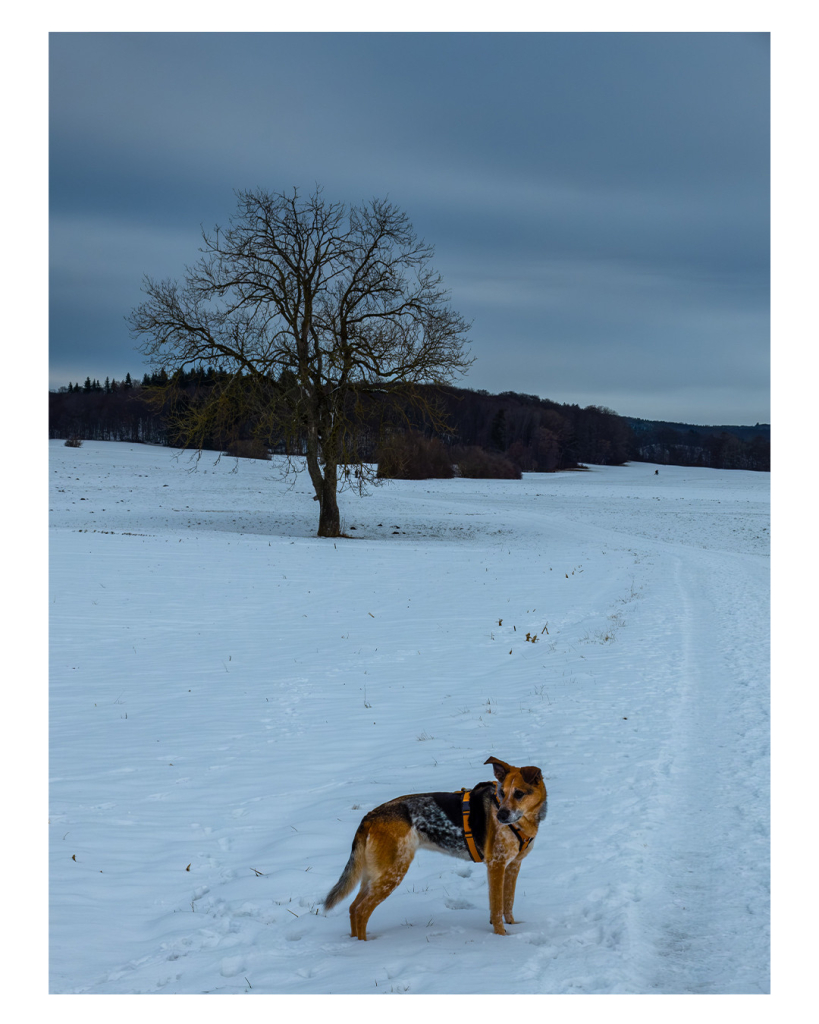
(495, 822)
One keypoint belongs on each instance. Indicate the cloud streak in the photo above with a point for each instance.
(598, 202)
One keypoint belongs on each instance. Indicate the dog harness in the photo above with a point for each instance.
(471, 845)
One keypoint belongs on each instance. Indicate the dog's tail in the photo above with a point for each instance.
(353, 870)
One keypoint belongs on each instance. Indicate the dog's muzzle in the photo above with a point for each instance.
(507, 817)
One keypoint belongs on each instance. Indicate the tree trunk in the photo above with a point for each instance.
(329, 518)
(324, 484)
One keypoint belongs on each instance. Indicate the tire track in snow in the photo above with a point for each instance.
(709, 922)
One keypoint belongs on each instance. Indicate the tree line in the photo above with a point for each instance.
(524, 432)
(688, 445)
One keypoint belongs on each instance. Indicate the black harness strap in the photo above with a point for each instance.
(523, 841)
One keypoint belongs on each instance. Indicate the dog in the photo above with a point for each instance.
(495, 822)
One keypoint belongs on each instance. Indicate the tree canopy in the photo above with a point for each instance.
(309, 306)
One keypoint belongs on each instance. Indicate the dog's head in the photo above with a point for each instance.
(521, 791)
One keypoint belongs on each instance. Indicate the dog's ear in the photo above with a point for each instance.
(501, 767)
(531, 774)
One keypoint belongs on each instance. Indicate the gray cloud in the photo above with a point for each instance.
(598, 202)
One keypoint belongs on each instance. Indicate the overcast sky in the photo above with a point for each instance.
(598, 203)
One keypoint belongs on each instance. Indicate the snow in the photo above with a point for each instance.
(230, 694)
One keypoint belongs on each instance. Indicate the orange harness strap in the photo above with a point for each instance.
(523, 841)
(471, 845)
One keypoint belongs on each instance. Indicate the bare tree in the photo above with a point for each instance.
(310, 306)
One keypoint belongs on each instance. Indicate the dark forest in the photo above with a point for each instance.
(496, 435)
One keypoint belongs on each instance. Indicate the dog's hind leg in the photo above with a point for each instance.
(363, 893)
(388, 854)
(372, 893)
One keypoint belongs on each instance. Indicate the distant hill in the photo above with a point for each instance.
(744, 433)
(690, 444)
(529, 433)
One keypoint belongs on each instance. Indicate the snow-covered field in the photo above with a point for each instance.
(229, 695)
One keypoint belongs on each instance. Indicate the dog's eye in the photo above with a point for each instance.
(518, 794)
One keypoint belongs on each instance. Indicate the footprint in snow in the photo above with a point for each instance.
(231, 966)
(455, 904)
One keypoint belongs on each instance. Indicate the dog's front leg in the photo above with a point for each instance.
(509, 880)
(496, 870)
